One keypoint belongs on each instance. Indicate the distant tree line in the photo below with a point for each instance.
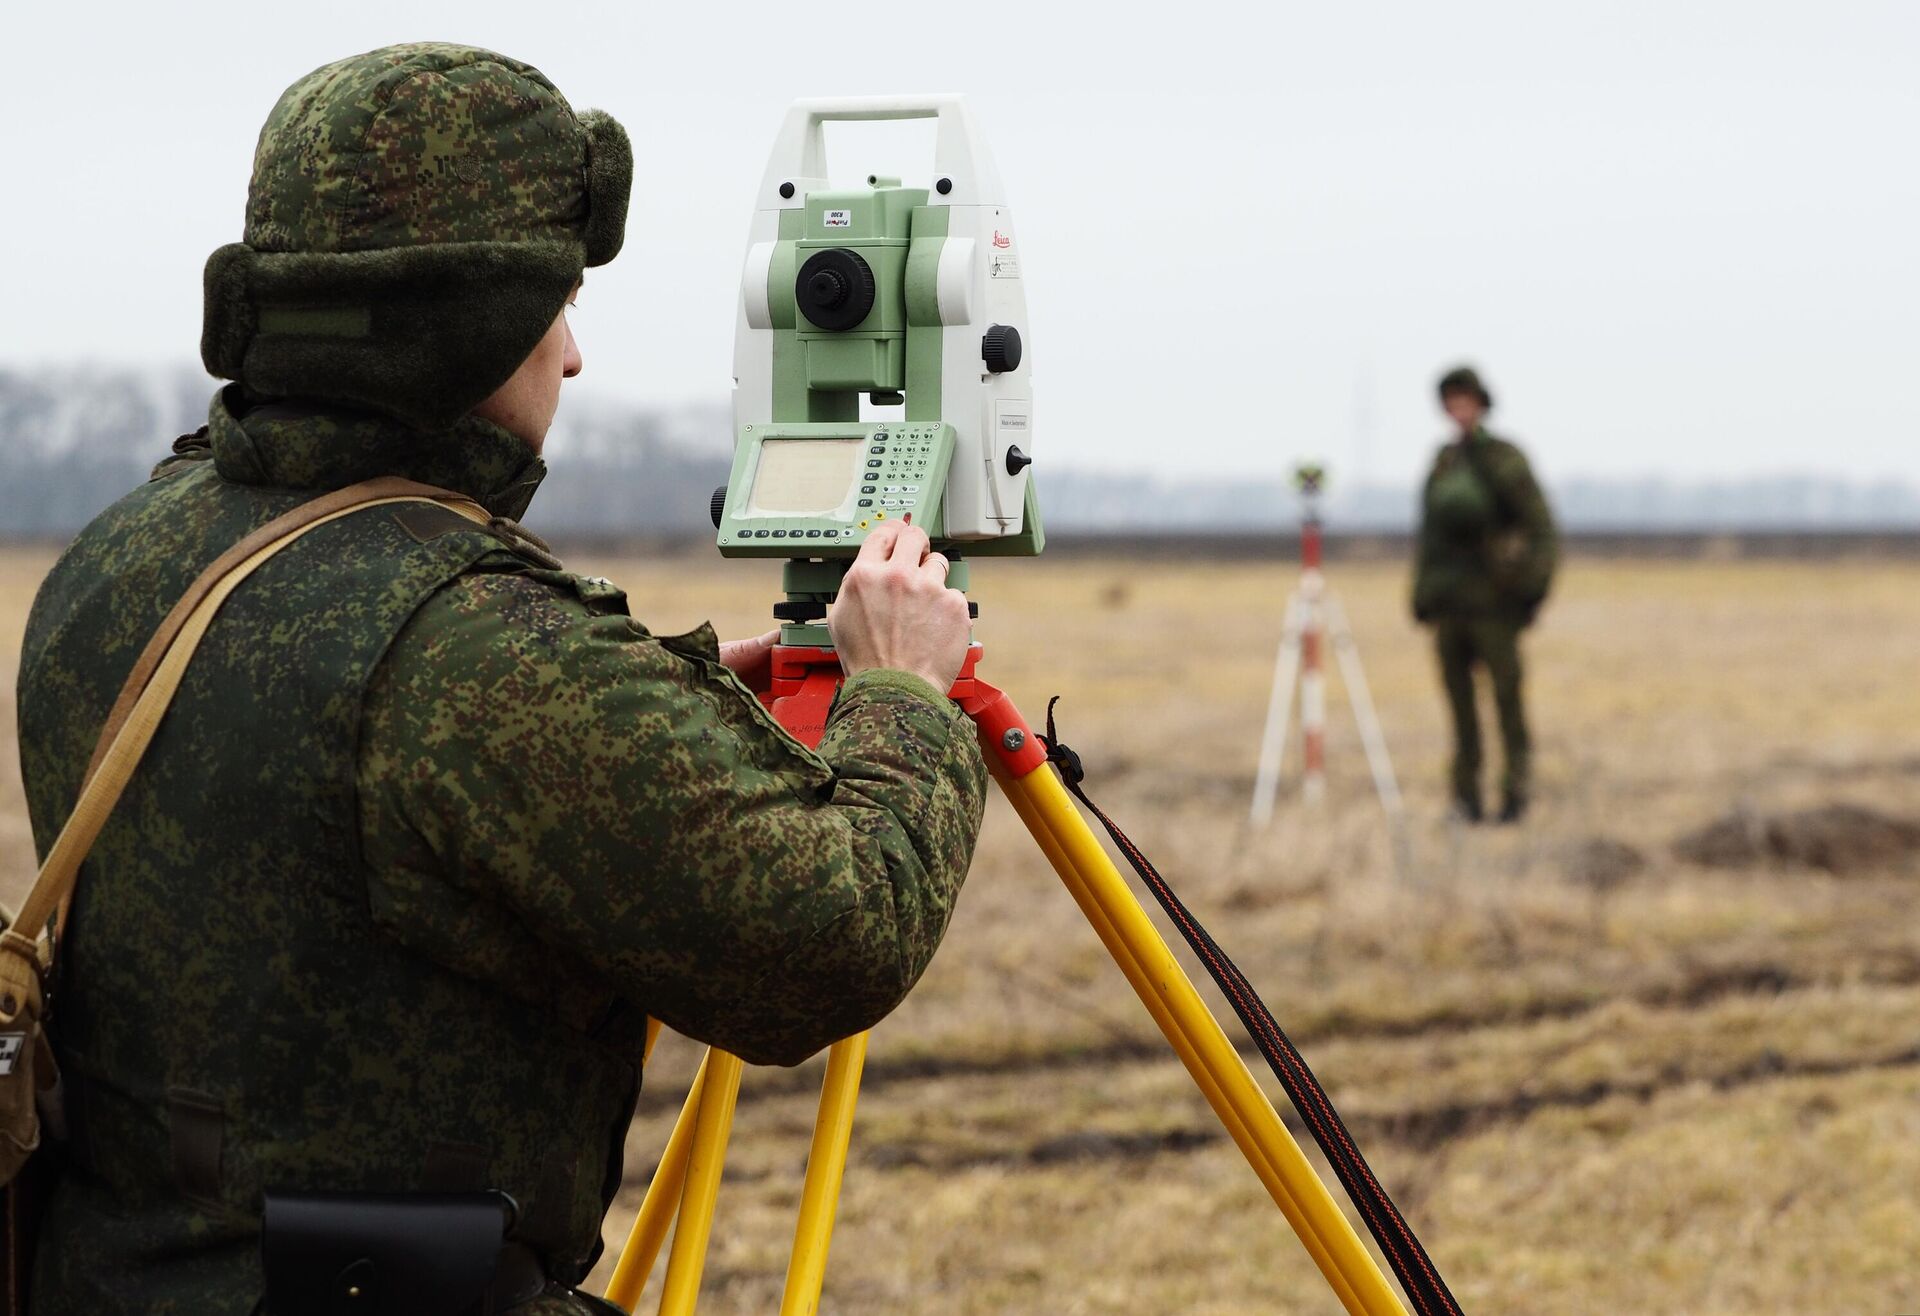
(74, 440)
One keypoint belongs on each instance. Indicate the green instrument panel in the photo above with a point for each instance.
(817, 489)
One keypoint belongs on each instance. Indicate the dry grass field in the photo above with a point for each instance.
(1598, 1076)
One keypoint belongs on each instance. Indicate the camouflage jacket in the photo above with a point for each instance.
(1487, 545)
(429, 831)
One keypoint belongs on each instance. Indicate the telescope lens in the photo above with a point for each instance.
(834, 289)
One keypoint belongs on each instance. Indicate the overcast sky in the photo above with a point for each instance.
(1677, 237)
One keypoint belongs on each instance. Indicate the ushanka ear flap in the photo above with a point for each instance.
(609, 185)
(423, 334)
(227, 322)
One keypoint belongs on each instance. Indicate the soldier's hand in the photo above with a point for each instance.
(895, 610)
(751, 660)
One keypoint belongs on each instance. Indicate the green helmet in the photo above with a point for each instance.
(1465, 379)
(417, 217)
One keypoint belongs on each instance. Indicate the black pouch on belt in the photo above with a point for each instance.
(408, 1254)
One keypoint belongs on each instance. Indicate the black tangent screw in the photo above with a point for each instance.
(1017, 462)
(718, 507)
(944, 186)
(799, 610)
(786, 191)
(1001, 349)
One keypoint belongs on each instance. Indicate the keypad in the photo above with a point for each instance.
(906, 461)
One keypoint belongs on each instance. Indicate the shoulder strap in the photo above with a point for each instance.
(156, 676)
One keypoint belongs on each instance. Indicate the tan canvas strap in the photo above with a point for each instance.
(155, 678)
(283, 529)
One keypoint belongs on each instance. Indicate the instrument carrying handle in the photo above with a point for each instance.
(960, 155)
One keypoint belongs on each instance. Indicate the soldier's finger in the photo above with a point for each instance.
(910, 545)
(878, 545)
(936, 564)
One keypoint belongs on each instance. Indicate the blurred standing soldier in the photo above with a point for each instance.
(1486, 555)
(434, 825)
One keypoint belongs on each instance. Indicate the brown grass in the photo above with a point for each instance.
(1696, 1091)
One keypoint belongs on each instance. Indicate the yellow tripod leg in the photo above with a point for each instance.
(649, 1230)
(1196, 1036)
(713, 1122)
(1250, 1147)
(826, 1165)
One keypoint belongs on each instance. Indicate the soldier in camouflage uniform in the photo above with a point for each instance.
(434, 825)
(1486, 555)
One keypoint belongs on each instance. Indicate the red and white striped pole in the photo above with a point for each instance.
(1313, 629)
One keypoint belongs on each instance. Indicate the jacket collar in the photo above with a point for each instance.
(291, 444)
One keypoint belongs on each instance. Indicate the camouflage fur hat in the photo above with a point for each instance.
(1465, 379)
(416, 219)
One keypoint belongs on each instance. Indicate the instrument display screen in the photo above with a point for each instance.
(805, 477)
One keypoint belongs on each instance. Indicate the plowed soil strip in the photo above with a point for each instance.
(1698, 988)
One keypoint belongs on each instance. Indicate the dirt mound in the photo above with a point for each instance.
(1840, 838)
(1603, 863)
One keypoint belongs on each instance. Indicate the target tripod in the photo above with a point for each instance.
(1313, 618)
(687, 1181)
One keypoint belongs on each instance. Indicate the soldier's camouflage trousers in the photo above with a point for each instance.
(1494, 643)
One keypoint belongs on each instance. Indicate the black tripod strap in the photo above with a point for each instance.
(1415, 1269)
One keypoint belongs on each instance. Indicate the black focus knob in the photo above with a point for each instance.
(1000, 349)
(1017, 461)
(834, 289)
(718, 508)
